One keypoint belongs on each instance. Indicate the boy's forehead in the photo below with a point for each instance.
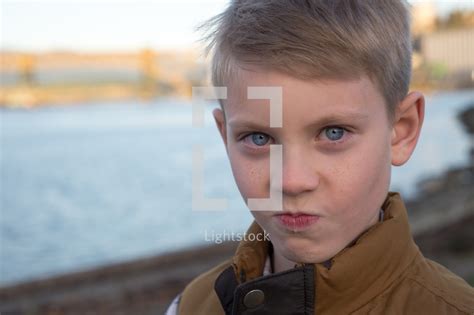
(358, 87)
(352, 99)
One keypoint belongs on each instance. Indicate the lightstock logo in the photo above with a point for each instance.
(230, 236)
(201, 94)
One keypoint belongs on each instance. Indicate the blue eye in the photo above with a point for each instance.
(260, 139)
(334, 133)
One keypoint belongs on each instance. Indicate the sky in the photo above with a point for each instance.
(111, 25)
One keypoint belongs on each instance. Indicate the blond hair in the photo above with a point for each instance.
(315, 39)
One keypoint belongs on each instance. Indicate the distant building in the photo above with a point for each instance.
(453, 49)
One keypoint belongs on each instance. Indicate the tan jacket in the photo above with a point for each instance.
(382, 273)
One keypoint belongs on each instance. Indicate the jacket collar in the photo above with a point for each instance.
(356, 274)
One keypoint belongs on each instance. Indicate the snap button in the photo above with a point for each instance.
(254, 298)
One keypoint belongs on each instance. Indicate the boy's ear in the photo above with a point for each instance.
(406, 128)
(220, 122)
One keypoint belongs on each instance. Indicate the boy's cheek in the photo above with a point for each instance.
(251, 176)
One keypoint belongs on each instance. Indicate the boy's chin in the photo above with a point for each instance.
(299, 251)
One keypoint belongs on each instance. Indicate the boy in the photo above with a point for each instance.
(340, 243)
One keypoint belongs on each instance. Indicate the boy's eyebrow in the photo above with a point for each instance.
(335, 118)
(249, 123)
(324, 120)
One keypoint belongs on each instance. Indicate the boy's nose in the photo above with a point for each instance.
(299, 175)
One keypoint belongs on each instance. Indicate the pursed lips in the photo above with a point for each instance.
(295, 213)
(296, 221)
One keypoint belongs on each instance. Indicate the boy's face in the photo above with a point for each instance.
(336, 144)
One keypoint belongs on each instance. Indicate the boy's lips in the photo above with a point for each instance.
(296, 221)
